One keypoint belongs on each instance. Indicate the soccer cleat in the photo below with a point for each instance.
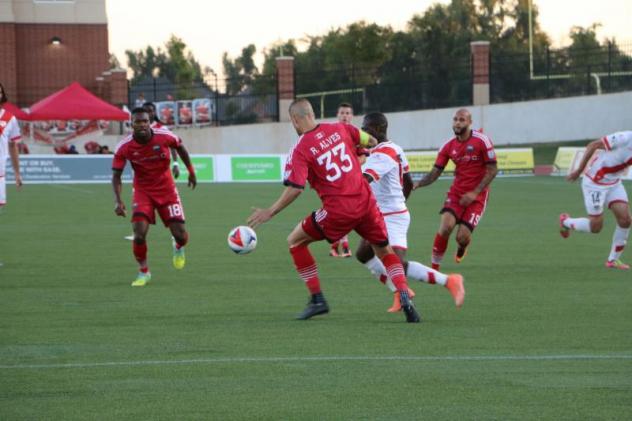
(455, 286)
(397, 305)
(460, 254)
(564, 230)
(179, 259)
(315, 306)
(408, 308)
(346, 252)
(617, 264)
(142, 279)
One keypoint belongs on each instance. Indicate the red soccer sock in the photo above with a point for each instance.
(438, 248)
(306, 267)
(395, 271)
(185, 240)
(140, 253)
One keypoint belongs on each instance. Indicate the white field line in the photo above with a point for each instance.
(265, 360)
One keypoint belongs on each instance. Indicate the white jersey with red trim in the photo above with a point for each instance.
(387, 164)
(606, 168)
(9, 132)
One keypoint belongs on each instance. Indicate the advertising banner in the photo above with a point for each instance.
(202, 111)
(166, 112)
(204, 169)
(185, 113)
(44, 169)
(256, 168)
(510, 161)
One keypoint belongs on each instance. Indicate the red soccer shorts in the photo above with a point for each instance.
(166, 203)
(324, 224)
(470, 215)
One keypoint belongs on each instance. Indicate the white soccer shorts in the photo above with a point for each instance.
(397, 226)
(596, 196)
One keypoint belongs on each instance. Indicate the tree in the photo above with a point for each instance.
(175, 63)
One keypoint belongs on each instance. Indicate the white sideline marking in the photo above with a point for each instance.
(321, 359)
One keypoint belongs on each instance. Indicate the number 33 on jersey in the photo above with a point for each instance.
(326, 158)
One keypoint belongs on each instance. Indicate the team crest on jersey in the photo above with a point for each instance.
(156, 148)
(469, 148)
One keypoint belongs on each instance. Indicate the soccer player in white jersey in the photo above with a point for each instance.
(606, 159)
(386, 170)
(9, 138)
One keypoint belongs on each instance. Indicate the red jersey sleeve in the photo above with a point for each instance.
(443, 157)
(296, 169)
(174, 141)
(487, 149)
(118, 162)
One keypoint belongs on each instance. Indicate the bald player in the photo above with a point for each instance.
(325, 156)
(473, 154)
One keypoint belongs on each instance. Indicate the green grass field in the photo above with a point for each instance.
(545, 333)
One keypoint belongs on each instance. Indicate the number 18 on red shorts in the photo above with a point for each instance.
(166, 203)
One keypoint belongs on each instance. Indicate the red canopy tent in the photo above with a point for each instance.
(16, 111)
(74, 102)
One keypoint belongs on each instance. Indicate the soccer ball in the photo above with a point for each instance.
(242, 239)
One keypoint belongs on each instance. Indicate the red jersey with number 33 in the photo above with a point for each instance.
(326, 158)
(470, 157)
(150, 161)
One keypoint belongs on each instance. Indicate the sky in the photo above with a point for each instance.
(210, 28)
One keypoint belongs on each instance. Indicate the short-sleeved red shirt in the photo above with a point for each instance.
(150, 161)
(470, 157)
(326, 158)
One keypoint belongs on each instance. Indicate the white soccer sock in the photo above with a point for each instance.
(423, 273)
(578, 224)
(619, 240)
(378, 270)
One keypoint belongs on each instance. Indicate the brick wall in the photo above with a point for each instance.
(8, 74)
(43, 68)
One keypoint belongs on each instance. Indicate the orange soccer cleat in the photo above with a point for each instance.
(397, 305)
(617, 264)
(564, 231)
(455, 286)
(460, 254)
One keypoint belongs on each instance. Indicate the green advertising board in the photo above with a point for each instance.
(204, 170)
(256, 168)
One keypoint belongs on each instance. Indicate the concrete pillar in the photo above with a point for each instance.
(99, 87)
(118, 87)
(8, 58)
(285, 85)
(480, 72)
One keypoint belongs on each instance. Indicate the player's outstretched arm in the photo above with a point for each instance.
(175, 167)
(184, 156)
(429, 178)
(590, 150)
(259, 216)
(117, 187)
(15, 163)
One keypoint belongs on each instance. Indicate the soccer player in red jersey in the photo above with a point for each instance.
(147, 150)
(473, 154)
(324, 156)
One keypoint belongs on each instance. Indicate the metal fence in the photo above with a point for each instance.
(248, 106)
(385, 88)
(560, 73)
